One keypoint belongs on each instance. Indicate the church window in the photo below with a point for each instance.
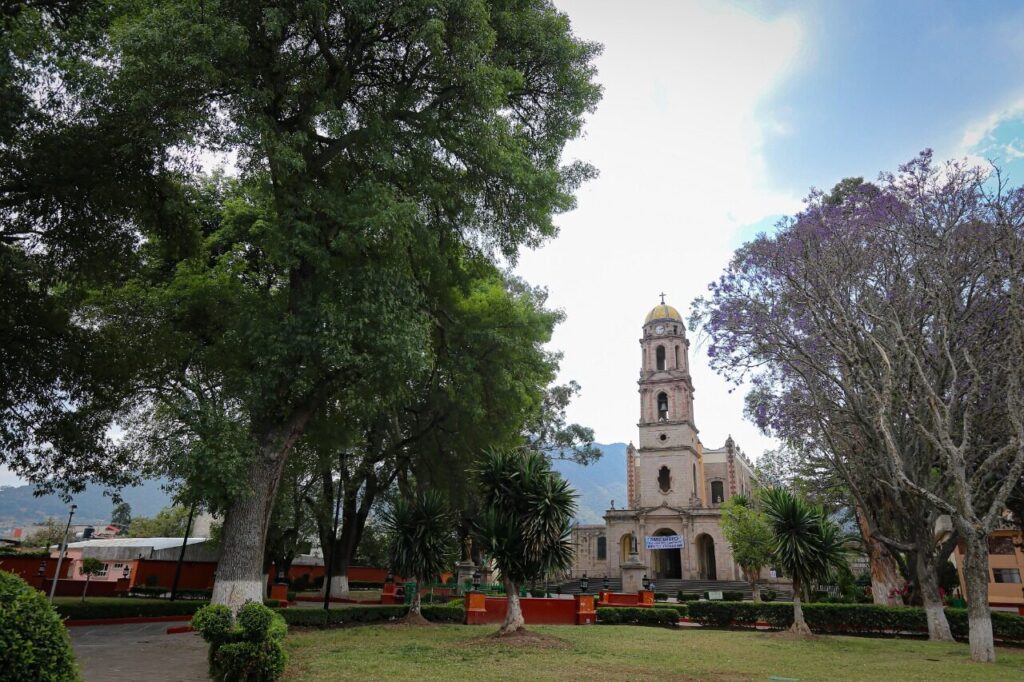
(675, 329)
(663, 437)
(602, 547)
(679, 359)
(662, 407)
(694, 479)
(664, 479)
(717, 492)
(659, 355)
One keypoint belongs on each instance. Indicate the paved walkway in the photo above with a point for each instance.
(143, 651)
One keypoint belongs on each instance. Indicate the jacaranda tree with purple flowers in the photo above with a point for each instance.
(884, 326)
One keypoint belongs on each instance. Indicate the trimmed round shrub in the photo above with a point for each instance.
(768, 595)
(246, 649)
(33, 642)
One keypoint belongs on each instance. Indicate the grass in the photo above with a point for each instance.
(609, 652)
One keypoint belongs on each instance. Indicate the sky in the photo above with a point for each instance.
(717, 119)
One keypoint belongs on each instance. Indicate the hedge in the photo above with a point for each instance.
(861, 619)
(611, 615)
(126, 608)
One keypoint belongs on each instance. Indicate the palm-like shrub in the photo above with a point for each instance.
(525, 523)
(807, 544)
(423, 540)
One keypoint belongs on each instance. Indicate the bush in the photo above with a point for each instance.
(686, 596)
(445, 614)
(125, 608)
(854, 619)
(538, 592)
(733, 596)
(248, 649)
(660, 596)
(148, 590)
(353, 614)
(637, 616)
(301, 583)
(33, 642)
(768, 595)
(429, 598)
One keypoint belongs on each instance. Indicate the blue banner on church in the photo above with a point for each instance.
(663, 541)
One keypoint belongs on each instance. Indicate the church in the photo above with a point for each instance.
(671, 522)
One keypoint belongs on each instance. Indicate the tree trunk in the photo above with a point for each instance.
(885, 572)
(979, 616)
(414, 606)
(84, 589)
(799, 624)
(755, 589)
(240, 576)
(927, 579)
(339, 585)
(514, 614)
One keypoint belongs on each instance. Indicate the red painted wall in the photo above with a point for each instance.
(536, 610)
(195, 575)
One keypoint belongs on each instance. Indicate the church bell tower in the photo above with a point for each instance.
(668, 462)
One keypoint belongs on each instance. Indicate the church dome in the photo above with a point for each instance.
(663, 312)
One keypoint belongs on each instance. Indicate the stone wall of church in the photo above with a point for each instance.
(586, 542)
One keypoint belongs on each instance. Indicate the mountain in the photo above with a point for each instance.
(599, 483)
(19, 507)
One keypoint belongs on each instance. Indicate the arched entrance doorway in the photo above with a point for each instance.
(666, 564)
(705, 546)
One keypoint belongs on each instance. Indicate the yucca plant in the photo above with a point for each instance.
(423, 539)
(807, 544)
(525, 523)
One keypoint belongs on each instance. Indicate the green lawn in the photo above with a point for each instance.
(607, 652)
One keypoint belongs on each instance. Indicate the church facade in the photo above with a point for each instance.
(671, 522)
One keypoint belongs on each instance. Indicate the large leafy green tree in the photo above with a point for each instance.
(422, 534)
(525, 523)
(377, 144)
(169, 522)
(748, 532)
(807, 545)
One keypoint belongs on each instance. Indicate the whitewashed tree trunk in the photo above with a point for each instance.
(927, 578)
(266, 585)
(240, 569)
(339, 586)
(514, 614)
(979, 617)
(799, 624)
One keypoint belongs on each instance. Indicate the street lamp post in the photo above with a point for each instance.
(63, 549)
(584, 583)
(606, 584)
(476, 580)
(647, 582)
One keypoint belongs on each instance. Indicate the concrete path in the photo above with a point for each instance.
(143, 651)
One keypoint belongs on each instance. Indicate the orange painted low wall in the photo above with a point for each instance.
(195, 575)
(642, 599)
(481, 609)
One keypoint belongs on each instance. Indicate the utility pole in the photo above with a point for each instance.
(63, 549)
(181, 554)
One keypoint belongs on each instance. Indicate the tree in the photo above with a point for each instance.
(169, 522)
(378, 143)
(806, 545)
(893, 317)
(50, 533)
(748, 532)
(525, 522)
(89, 567)
(122, 517)
(422, 532)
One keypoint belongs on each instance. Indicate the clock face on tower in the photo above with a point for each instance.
(660, 329)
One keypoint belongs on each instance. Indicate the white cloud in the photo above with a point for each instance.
(678, 141)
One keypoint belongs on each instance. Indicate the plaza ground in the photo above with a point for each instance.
(139, 651)
(609, 652)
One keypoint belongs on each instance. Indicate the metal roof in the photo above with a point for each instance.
(150, 543)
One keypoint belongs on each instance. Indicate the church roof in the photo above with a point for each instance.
(663, 312)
